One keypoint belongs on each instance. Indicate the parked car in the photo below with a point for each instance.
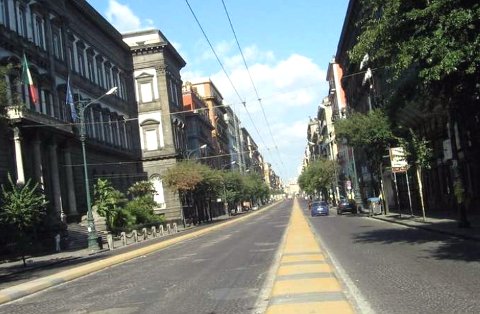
(345, 205)
(319, 208)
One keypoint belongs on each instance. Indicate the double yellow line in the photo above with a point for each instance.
(305, 281)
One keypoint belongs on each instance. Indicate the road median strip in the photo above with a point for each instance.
(305, 281)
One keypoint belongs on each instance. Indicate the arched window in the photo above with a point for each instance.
(158, 196)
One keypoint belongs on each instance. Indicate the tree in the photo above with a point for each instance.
(142, 189)
(318, 177)
(370, 132)
(184, 178)
(233, 188)
(23, 207)
(418, 153)
(255, 188)
(108, 201)
(433, 46)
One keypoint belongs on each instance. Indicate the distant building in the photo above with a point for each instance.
(199, 128)
(214, 100)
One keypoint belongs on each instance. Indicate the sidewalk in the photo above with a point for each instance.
(13, 272)
(445, 225)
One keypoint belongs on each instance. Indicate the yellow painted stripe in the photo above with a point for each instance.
(285, 270)
(306, 286)
(334, 307)
(300, 239)
(302, 257)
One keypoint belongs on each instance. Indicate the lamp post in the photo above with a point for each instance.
(92, 234)
(190, 152)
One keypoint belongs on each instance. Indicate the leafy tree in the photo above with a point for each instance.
(23, 207)
(142, 189)
(318, 177)
(185, 177)
(370, 132)
(108, 201)
(233, 186)
(418, 153)
(431, 45)
(255, 188)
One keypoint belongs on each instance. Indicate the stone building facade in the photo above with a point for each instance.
(62, 39)
(161, 123)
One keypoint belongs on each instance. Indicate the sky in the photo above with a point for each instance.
(287, 45)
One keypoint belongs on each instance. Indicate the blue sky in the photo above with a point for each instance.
(287, 46)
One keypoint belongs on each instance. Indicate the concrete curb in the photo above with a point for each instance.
(427, 228)
(25, 289)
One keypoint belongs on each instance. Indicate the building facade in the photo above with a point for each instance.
(217, 114)
(61, 40)
(161, 123)
(199, 128)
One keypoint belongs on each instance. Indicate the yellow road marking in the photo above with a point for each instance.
(337, 307)
(305, 286)
(304, 293)
(285, 270)
(302, 257)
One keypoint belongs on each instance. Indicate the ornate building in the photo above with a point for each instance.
(61, 40)
(158, 89)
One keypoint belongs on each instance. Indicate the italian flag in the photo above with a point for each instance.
(27, 80)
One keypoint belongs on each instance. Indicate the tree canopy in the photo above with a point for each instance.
(440, 38)
(318, 176)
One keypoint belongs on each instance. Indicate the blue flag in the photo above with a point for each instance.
(69, 101)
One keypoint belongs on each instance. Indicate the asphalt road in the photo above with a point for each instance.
(396, 269)
(221, 272)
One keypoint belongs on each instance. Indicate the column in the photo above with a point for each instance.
(72, 199)
(37, 161)
(57, 194)
(18, 156)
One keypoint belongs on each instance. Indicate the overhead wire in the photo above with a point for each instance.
(252, 82)
(227, 75)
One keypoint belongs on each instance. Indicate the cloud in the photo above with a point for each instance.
(123, 18)
(290, 90)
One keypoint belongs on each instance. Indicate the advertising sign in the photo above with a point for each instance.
(398, 160)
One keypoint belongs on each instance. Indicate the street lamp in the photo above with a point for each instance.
(190, 152)
(92, 234)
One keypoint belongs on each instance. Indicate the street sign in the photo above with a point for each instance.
(398, 160)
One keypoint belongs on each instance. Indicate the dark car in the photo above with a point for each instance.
(319, 208)
(345, 205)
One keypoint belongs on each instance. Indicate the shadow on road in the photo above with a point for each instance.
(443, 246)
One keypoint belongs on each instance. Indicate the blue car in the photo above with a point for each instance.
(319, 208)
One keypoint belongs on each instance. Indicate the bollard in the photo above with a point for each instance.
(154, 231)
(175, 227)
(135, 236)
(145, 234)
(169, 229)
(110, 242)
(162, 231)
(123, 235)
